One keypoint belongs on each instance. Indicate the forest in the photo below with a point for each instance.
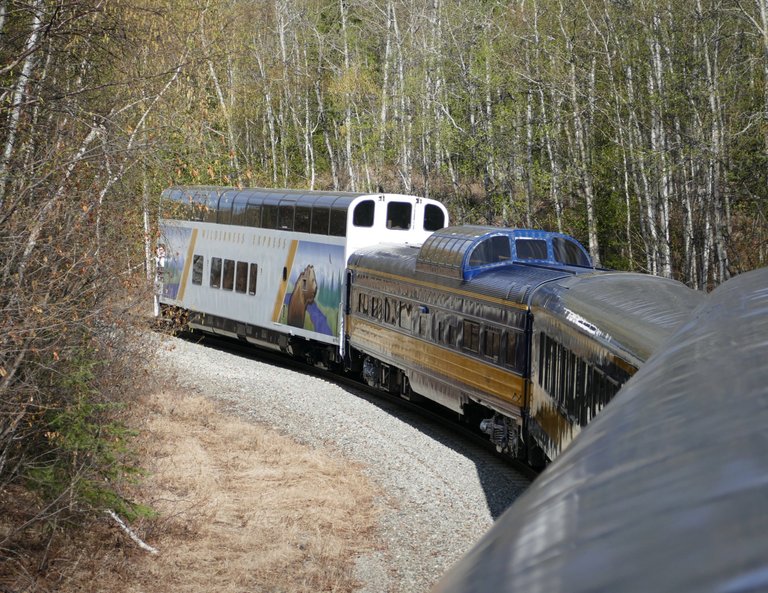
(638, 126)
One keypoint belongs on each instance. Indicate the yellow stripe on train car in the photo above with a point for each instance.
(456, 367)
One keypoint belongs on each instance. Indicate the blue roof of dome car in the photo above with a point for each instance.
(462, 252)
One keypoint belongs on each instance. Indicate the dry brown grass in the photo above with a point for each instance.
(241, 509)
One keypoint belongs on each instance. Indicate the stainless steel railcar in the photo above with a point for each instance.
(667, 490)
(513, 327)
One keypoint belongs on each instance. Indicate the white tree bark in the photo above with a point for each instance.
(581, 149)
(659, 147)
(19, 92)
(347, 99)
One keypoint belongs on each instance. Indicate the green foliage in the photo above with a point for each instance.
(83, 455)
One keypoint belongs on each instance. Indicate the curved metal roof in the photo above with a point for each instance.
(666, 490)
(512, 282)
(206, 198)
(635, 312)
(462, 252)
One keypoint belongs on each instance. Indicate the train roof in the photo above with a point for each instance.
(634, 312)
(462, 252)
(511, 282)
(212, 196)
(369, 217)
(666, 489)
(629, 312)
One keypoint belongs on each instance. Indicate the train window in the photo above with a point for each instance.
(302, 219)
(225, 208)
(241, 277)
(252, 276)
(338, 224)
(390, 311)
(198, 206)
(510, 352)
(425, 325)
(445, 333)
(175, 205)
(491, 343)
(229, 274)
(362, 303)
(239, 205)
(215, 272)
(434, 219)
(253, 215)
(363, 214)
(197, 269)
(211, 207)
(399, 216)
(405, 315)
(490, 251)
(568, 252)
(269, 216)
(320, 217)
(376, 307)
(285, 217)
(531, 248)
(471, 340)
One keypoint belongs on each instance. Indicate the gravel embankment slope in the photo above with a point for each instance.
(440, 493)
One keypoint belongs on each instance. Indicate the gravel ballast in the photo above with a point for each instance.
(441, 493)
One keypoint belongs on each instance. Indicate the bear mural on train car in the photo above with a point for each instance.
(303, 295)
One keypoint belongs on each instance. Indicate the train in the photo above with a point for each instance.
(666, 491)
(514, 330)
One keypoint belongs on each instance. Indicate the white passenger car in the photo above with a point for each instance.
(267, 265)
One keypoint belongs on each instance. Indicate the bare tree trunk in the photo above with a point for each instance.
(583, 159)
(366, 164)
(529, 157)
(648, 222)
(762, 6)
(308, 145)
(270, 117)
(715, 189)
(620, 128)
(42, 216)
(554, 164)
(347, 99)
(659, 147)
(491, 150)
(225, 111)
(384, 94)
(19, 92)
(326, 136)
(689, 247)
(405, 113)
(3, 14)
